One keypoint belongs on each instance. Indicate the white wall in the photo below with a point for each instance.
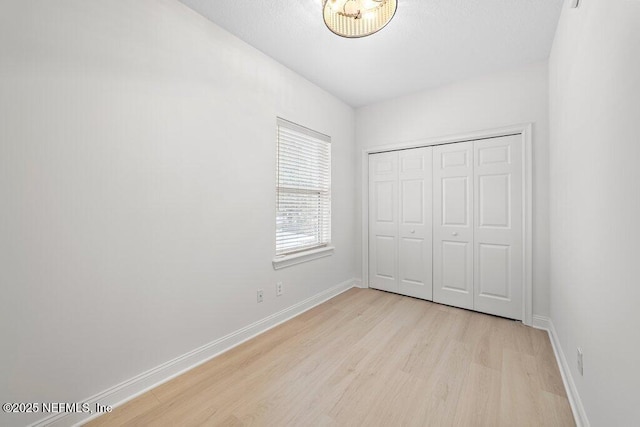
(137, 169)
(493, 101)
(595, 203)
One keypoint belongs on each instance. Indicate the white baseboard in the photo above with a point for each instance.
(127, 390)
(541, 322)
(579, 414)
(357, 283)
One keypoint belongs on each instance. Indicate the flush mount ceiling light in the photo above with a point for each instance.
(358, 18)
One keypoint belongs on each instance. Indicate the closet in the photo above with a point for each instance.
(446, 224)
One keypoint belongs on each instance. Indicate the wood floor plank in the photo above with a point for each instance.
(481, 397)
(368, 358)
(557, 411)
(444, 388)
(129, 411)
(486, 342)
(520, 390)
(550, 378)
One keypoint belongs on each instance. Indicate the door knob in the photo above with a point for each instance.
(413, 231)
(455, 233)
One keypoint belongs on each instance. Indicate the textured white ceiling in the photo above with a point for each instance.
(427, 44)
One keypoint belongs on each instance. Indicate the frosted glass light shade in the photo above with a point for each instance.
(358, 18)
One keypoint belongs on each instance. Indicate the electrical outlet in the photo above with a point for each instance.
(279, 289)
(580, 363)
(260, 295)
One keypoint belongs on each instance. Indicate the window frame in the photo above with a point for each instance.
(323, 248)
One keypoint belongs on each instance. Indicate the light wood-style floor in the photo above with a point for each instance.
(369, 358)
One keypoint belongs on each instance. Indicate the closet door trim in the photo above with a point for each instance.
(525, 130)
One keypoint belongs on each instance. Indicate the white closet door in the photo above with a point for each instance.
(400, 214)
(453, 224)
(383, 221)
(498, 226)
(415, 242)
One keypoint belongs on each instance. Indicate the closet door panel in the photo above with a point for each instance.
(498, 226)
(383, 221)
(415, 242)
(453, 281)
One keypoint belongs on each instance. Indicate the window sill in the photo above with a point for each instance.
(299, 258)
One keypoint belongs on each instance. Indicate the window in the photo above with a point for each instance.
(303, 190)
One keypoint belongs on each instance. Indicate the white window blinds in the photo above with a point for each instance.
(303, 189)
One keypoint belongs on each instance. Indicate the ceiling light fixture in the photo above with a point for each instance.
(358, 18)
